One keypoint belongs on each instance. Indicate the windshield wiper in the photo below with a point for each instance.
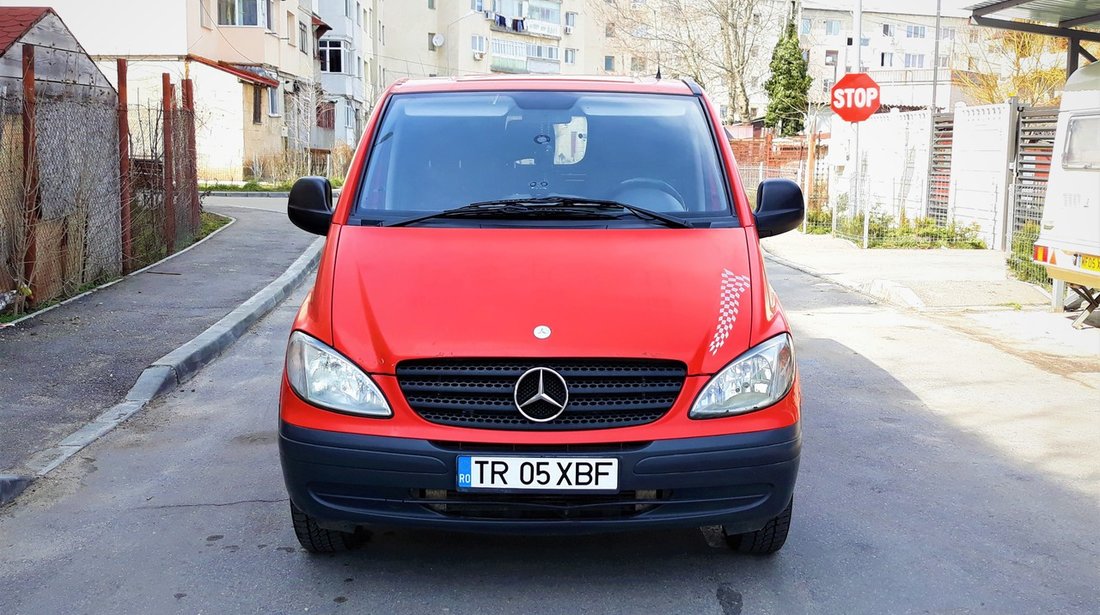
(572, 205)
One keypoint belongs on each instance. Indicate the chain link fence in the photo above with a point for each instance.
(66, 223)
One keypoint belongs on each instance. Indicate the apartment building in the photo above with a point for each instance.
(897, 47)
(472, 37)
(348, 57)
(253, 63)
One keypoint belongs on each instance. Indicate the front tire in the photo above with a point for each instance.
(766, 540)
(317, 539)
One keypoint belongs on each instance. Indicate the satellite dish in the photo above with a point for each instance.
(437, 40)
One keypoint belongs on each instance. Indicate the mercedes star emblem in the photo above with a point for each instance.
(541, 394)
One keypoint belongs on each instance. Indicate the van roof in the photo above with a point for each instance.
(1086, 78)
(648, 85)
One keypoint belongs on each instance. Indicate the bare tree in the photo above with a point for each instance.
(724, 45)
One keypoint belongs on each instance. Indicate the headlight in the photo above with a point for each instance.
(321, 376)
(757, 379)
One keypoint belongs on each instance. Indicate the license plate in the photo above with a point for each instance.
(1092, 263)
(547, 473)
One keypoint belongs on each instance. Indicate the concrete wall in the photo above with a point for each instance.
(980, 155)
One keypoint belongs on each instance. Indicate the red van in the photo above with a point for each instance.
(541, 307)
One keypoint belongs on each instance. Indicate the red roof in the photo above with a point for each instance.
(15, 21)
(237, 72)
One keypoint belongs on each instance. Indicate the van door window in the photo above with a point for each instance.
(1082, 143)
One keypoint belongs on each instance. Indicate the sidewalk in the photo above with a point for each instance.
(969, 290)
(63, 367)
(920, 279)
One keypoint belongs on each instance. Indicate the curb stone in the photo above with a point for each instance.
(882, 291)
(168, 372)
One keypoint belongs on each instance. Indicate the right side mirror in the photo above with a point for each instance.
(310, 205)
(779, 207)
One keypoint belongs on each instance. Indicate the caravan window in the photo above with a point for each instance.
(1082, 143)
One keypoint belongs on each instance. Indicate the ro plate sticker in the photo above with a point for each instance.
(465, 478)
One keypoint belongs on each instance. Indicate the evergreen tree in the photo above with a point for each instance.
(788, 86)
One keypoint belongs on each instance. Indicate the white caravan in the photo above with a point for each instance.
(1069, 241)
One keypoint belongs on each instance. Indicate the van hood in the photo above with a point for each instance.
(402, 293)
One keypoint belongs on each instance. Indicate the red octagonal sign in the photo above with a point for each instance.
(855, 97)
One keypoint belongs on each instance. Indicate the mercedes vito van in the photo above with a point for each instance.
(541, 307)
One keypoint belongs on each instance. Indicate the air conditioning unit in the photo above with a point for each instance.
(568, 29)
(489, 15)
(285, 131)
(479, 55)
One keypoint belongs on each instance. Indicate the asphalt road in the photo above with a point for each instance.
(940, 474)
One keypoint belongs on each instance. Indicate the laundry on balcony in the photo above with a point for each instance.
(502, 21)
(517, 25)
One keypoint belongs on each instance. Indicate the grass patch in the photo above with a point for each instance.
(255, 186)
(209, 223)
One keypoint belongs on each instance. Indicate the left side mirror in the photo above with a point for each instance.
(779, 207)
(310, 205)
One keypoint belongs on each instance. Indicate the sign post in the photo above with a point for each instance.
(855, 98)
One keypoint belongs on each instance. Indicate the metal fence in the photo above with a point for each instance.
(978, 180)
(72, 216)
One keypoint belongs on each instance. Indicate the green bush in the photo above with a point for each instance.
(922, 233)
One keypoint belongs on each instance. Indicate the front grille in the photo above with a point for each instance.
(603, 393)
(542, 507)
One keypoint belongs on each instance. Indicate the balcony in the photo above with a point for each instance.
(504, 64)
(542, 28)
(539, 66)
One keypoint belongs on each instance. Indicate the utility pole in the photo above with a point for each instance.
(858, 41)
(932, 113)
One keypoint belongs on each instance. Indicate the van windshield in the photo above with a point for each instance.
(435, 152)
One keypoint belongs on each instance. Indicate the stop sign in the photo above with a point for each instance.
(855, 97)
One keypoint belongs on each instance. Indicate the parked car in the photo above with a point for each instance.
(542, 307)
(1069, 239)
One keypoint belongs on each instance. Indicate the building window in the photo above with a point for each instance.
(543, 10)
(943, 62)
(290, 29)
(509, 49)
(204, 13)
(359, 14)
(543, 52)
(347, 8)
(887, 59)
(609, 30)
(915, 32)
(831, 57)
(805, 55)
(570, 56)
(609, 63)
(332, 56)
(637, 65)
(271, 17)
(359, 66)
(827, 85)
(914, 60)
(571, 19)
(864, 41)
(478, 43)
(807, 25)
(349, 114)
(326, 115)
(257, 105)
(431, 41)
(888, 29)
(303, 38)
(477, 5)
(242, 12)
(947, 34)
(273, 96)
(723, 111)
(431, 4)
(832, 27)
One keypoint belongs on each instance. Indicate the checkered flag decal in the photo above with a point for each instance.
(732, 287)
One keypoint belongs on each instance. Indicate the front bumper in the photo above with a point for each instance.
(739, 481)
